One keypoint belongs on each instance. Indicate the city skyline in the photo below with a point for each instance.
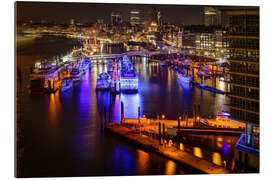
(60, 12)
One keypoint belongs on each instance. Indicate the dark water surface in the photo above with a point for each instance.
(60, 133)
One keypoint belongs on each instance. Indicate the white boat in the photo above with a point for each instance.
(85, 64)
(203, 73)
(110, 65)
(103, 81)
(76, 74)
(185, 78)
(67, 84)
(129, 80)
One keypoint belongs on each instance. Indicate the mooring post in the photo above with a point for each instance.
(139, 114)
(109, 108)
(163, 125)
(214, 81)
(159, 132)
(178, 127)
(53, 85)
(122, 112)
(49, 85)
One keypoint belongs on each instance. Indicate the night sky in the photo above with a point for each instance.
(89, 12)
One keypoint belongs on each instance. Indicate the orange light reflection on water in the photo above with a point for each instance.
(54, 104)
(170, 167)
(216, 158)
(143, 159)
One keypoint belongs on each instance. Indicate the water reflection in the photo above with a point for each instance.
(77, 144)
(170, 167)
(197, 152)
(54, 109)
(143, 160)
(216, 158)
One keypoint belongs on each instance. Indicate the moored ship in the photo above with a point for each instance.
(103, 81)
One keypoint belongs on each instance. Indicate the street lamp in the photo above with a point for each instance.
(163, 116)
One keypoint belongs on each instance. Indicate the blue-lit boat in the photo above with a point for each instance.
(76, 74)
(103, 81)
(110, 66)
(67, 84)
(184, 78)
(85, 65)
(129, 80)
(205, 71)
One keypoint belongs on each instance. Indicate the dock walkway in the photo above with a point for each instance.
(147, 143)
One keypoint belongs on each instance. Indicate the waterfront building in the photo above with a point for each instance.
(135, 18)
(243, 39)
(72, 22)
(212, 16)
(116, 18)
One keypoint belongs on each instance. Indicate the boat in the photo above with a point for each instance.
(204, 74)
(184, 78)
(162, 63)
(67, 84)
(110, 65)
(205, 71)
(103, 81)
(129, 80)
(45, 79)
(76, 74)
(85, 65)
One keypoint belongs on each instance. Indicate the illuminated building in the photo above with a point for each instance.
(116, 18)
(212, 43)
(212, 16)
(72, 22)
(244, 59)
(128, 78)
(135, 18)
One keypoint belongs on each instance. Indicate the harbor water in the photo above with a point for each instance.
(59, 134)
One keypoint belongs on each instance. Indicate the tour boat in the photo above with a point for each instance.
(203, 73)
(184, 78)
(76, 74)
(110, 65)
(129, 80)
(103, 81)
(67, 84)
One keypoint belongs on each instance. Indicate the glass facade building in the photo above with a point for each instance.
(243, 37)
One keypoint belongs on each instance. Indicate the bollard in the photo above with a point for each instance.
(214, 81)
(122, 112)
(109, 108)
(49, 85)
(159, 132)
(139, 114)
(178, 127)
(163, 127)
